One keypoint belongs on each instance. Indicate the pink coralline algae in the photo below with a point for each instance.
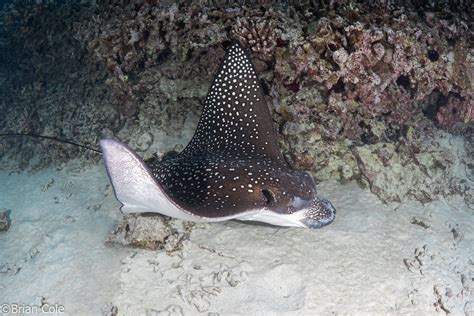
(388, 66)
(456, 110)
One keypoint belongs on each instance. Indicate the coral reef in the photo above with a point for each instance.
(50, 90)
(345, 81)
(119, 39)
(382, 67)
(132, 38)
(257, 35)
(433, 169)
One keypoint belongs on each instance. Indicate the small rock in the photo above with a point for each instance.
(144, 141)
(109, 310)
(39, 301)
(10, 268)
(5, 220)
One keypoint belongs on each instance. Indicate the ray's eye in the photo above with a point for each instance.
(269, 197)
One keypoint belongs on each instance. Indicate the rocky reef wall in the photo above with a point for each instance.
(377, 93)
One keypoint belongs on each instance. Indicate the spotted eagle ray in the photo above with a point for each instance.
(231, 169)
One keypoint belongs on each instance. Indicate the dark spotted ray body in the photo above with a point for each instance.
(232, 167)
(209, 186)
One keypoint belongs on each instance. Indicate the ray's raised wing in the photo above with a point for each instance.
(235, 119)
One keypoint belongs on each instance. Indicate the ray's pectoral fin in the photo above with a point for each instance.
(133, 184)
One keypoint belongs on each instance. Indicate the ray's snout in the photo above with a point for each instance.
(320, 213)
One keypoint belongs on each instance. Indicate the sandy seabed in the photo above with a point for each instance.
(377, 259)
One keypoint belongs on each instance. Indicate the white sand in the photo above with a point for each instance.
(371, 260)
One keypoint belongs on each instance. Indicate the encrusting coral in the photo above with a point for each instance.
(121, 38)
(387, 65)
(456, 110)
